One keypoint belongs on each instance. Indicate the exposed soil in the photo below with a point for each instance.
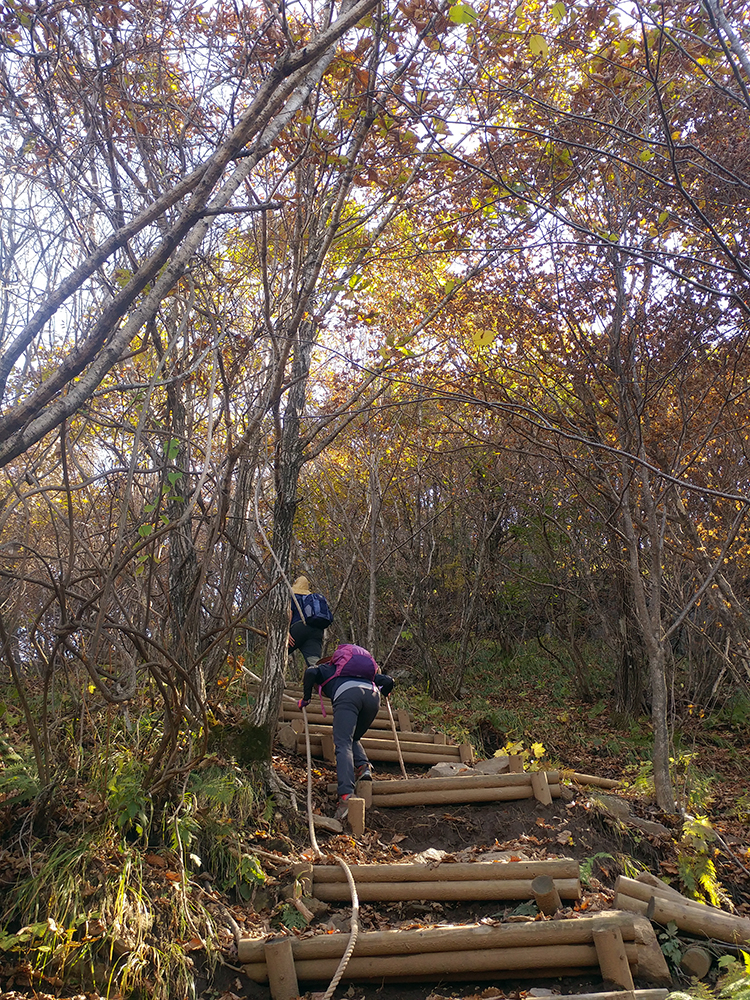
(572, 827)
(575, 826)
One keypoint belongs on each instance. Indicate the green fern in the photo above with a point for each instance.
(291, 918)
(18, 781)
(734, 984)
(214, 788)
(710, 882)
(222, 790)
(698, 874)
(696, 867)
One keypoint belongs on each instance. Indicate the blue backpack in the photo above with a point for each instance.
(315, 609)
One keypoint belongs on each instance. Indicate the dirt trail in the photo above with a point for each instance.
(521, 830)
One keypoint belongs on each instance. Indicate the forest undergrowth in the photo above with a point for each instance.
(108, 891)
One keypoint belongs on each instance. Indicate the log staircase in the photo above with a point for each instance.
(620, 945)
(379, 744)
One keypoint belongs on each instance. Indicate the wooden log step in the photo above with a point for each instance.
(324, 729)
(452, 937)
(257, 973)
(380, 750)
(439, 891)
(648, 879)
(630, 903)
(456, 796)
(457, 977)
(411, 757)
(396, 786)
(660, 994)
(317, 719)
(457, 966)
(502, 945)
(450, 871)
(589, 779)
(404, 720)
(700, 920)
(645, 892)
(290, 712)
(436, 965)
(562, 959)
(385, 742)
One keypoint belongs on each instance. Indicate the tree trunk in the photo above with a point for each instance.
(649, 619)
(183, 560)
(375, 504)
(289, 463)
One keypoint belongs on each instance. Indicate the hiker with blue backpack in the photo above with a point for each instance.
(352, 680)
(310, 617)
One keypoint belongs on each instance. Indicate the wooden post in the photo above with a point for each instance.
(651, 963)
(287, 736)
(610, 950)
(466, 753)
(282, 977)
(696, 961)
(540, 784)
(439, 738)
(329, 751)
(356, 815)
(364, 791)
(515, 763)
(546, 895)
(404, 721)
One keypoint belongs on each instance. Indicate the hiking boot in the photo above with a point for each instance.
(342, 810)
(363, 773)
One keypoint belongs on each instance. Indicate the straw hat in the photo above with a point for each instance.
(301, 585)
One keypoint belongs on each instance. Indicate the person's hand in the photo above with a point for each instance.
(303, 703)
(291, 640)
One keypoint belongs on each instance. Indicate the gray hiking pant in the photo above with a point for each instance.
(354, 710)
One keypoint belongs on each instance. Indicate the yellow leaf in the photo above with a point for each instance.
(483, 338)
(558, 11)
(538, 46)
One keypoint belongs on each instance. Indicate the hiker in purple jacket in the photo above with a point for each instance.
(352, 680)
